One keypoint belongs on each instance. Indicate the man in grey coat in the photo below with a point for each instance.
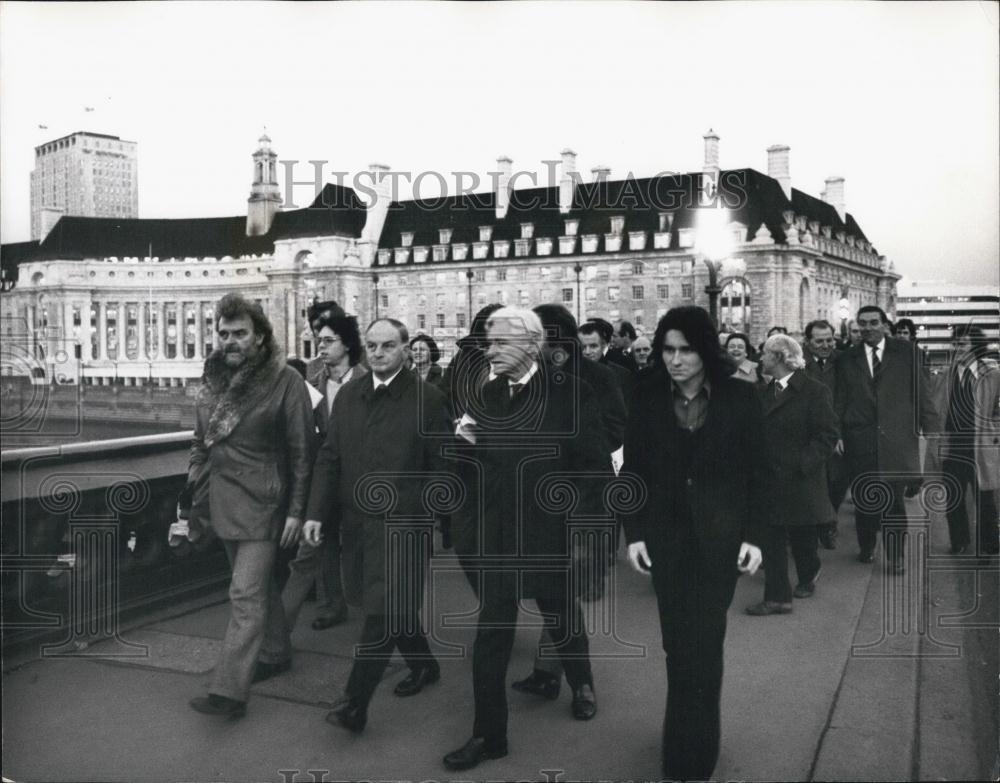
(800, 432)
(249, 470)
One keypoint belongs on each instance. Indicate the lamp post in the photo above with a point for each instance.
(468, 277)
(713, 242)
(578, 269)
(844, 311)
(375, 282)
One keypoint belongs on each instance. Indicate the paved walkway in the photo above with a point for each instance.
(874, 678)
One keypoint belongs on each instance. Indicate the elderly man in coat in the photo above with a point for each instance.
(249, 466)
(383, 443)
(968, 450)
(536, 439)
(800, 433)
(883, 403)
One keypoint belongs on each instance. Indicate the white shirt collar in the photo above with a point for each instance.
(783, 380)
(523, 380)
(880, 346)
(389, 380)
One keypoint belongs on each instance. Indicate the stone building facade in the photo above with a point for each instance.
(130, 301)
(84, 173)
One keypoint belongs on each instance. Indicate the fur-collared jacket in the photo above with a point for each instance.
(252, 452)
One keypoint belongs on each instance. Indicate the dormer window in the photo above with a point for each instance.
(617, 224)
(571, 227)
(685, 237)
(440, 252)
(527, 230)
(666, 221)
(383, 257)
(522, 247)
(406, 238)
(444, 235)
(485, 233)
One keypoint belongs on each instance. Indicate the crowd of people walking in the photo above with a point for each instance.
(355, 462)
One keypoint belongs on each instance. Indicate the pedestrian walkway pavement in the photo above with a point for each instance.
(876, 677)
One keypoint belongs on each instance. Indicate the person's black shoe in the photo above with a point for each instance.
(213, 704)
(349, 713)
(828, 538)
(473, 752)
(322, 623)
(415, 681)
(265, 671)
(539, 683)
(806, 589)
(866, 556)
(584, 702)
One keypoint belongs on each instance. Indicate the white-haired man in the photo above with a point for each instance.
(532, 427)
(800, 434)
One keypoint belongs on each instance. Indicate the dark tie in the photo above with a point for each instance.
(876, 362)
(514, 389)
(775, 390)
(381, 391)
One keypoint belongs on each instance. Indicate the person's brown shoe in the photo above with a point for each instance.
(765, 608)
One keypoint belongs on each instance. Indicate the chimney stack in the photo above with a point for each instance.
(600, 172)
(567, 183)
(504, 168)
(833, 194)
(777, 167)
(711, 153)
(378, 209)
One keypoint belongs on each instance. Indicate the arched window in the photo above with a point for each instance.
(734, 305)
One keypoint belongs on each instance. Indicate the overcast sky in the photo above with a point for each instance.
(900, 99)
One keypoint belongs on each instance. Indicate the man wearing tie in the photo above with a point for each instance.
(800, 431)
(883, 403)
(338, 362)
(536, 434)
(386, 432)
(821, 365)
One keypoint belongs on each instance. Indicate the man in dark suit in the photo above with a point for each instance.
(594, 335)
(338, 362)
(249, 470)
(695, 439)
(800, 432)
(821, 365)
(535, 426)
(883, 402)
(561, 349)
(382, 428)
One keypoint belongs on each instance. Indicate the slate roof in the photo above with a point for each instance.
(753, 198)
(336, 211)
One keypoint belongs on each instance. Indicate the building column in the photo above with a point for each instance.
(161, 331)
(198, 330)
(102, 331)
(141, 325)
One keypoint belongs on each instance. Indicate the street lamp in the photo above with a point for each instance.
(578, 269)
(844, 311)
(713, 242)
(469, 276)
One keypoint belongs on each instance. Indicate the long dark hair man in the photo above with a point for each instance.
(694, 438)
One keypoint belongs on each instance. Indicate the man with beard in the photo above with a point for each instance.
(249, 467)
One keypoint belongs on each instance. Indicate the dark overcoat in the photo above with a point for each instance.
(800, 432)
(539, 462)
(257, 474)
(881, 418)
(370, 474)
(722, 483)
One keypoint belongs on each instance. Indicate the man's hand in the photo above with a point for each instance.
(290, 535)
(638, 557)
(313, 532)
(839, 448)
(750, 558)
